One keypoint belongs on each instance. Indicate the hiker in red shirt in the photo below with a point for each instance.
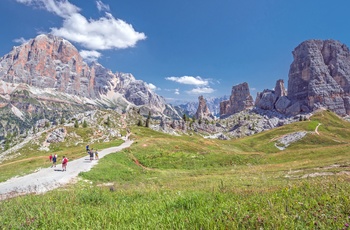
(50, 157)
(64, 163)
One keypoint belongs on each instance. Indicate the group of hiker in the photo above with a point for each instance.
(92, 153)
(53, 159)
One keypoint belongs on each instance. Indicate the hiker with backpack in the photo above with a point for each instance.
(54, 160)
(64, 163)
(91, 153)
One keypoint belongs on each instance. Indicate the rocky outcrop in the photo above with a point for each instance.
(280, 90)
(273, 99)
(57, 135)
(203, 110)
(320, 77)
(266, 99)
(240, 100)
(52, 62)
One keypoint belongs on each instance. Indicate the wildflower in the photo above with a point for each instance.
(346, 225)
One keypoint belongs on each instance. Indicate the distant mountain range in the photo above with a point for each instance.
(190, 108)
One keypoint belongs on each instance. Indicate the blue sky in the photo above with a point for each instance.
(183, 48)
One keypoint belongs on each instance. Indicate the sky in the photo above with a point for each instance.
(184, 48)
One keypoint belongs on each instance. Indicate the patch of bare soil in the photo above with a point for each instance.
(320, 171)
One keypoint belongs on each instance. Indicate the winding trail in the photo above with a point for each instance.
(316, 129)
(50, 178)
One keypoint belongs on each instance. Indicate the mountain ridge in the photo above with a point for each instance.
(48, 61)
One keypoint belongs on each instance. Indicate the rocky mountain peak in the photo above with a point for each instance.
(48, 61)
(240, 100)
(320, 76)
(203, 111)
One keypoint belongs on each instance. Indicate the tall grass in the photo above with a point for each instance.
(298, 205)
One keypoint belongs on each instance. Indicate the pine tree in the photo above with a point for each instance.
(76, 124)
(7, 141)
(148, 119)
(108, 122)
(62, 120)
(184, 117)
(84, 124)
(139, 123)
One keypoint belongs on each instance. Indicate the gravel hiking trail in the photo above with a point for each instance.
(47, 179)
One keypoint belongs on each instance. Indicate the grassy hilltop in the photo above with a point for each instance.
(188, 182)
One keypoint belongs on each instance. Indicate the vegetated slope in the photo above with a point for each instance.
(185, 156)
(187, 182)
(99, 128)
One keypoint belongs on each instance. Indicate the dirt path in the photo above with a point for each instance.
(50, 178)
(26, 159)
(316, 129)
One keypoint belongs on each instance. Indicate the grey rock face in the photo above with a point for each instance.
(240, 100)
(266, 100)
(273, 99)
(282, 104)
(319, 76)
(57, 135)
(280, 90)
(203, 110)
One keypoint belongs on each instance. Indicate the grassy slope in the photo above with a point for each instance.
(188, 182)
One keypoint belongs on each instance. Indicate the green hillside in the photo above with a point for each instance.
(188, 182)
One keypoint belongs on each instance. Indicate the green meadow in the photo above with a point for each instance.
(189, 182)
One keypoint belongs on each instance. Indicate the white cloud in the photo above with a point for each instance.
(102, 7)
(20, 40)
(252, 89)
(90, 55)
(201, 90)
(153, 87)
(61, 8)
(177, 91)
(188, 80)
(104, 33)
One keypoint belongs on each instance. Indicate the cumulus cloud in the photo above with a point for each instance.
(101, 34)
(20, 40)
(152, 87)
(102, 7)
(177, 91)
(188, 80)
(201, 90)
(90, 55)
